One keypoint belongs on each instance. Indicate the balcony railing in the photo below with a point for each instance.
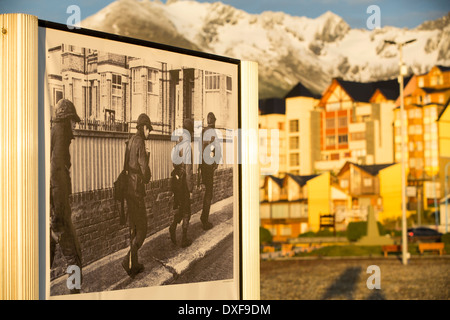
(97, 125)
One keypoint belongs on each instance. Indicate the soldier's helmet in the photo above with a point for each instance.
(211, 118)
(144, 119)
(188, 125)
(66, 110)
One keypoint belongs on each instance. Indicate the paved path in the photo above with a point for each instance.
(163, 260)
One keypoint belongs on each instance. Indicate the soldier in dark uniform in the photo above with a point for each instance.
(62, 231)
(207, 169)
(182, 183)
(138, 175)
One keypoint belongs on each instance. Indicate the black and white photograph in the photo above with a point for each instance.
(141, 170)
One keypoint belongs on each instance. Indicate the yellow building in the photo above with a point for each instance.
(444, 157)
(391, 193)
(319, 199)
(272, 134)
(302, 130)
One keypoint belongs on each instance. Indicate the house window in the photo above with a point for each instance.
(294, 159)
(367, 182)
(344, 183)
(151, 81)
(342, 122)
(294, 142)
(433, 81)
(104, 89)
(330, 123)
(330, 141)
(212, 81)
(293, 126)
(137, 80)
(335, 156)
(229, 84)
(116, 94)
(421, 82)
(343, 139)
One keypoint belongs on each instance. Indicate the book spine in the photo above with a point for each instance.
(250, 180)
(19, 203)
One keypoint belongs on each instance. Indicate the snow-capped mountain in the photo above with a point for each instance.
(288, 49)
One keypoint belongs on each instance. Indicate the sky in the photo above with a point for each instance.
(397, 13)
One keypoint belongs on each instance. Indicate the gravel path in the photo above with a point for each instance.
(424, 278)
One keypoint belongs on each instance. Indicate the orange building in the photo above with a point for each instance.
(356, 123)
(423, 102)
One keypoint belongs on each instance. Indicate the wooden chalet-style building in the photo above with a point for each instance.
(284, 206)
(361, 183)
(356, 123)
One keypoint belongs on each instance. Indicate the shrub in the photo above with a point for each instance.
(356, 230)
(264, 235)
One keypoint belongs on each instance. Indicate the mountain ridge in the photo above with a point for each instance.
(289, 49)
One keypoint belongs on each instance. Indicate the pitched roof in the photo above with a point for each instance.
(301, 91)
(443, 68)
(272, 105)
(301, 180)
(435, 90)
(443, 110)
(372, 169)
(363, 91)
(278, 181)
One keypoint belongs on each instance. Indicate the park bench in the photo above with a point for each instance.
(268, 249)
(391, 248)
(436, 246)
(286, 250)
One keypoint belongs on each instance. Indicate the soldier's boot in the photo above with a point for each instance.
(126, 264)
(206, 225)
(185, 241)
(136, 267)
(204, 218)
(173, 232)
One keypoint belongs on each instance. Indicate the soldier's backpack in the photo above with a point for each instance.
(120, 187)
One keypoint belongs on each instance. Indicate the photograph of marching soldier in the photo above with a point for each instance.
(132, 180)
(62, 231)
(182, 183)
(207, 167)
(138, 176)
